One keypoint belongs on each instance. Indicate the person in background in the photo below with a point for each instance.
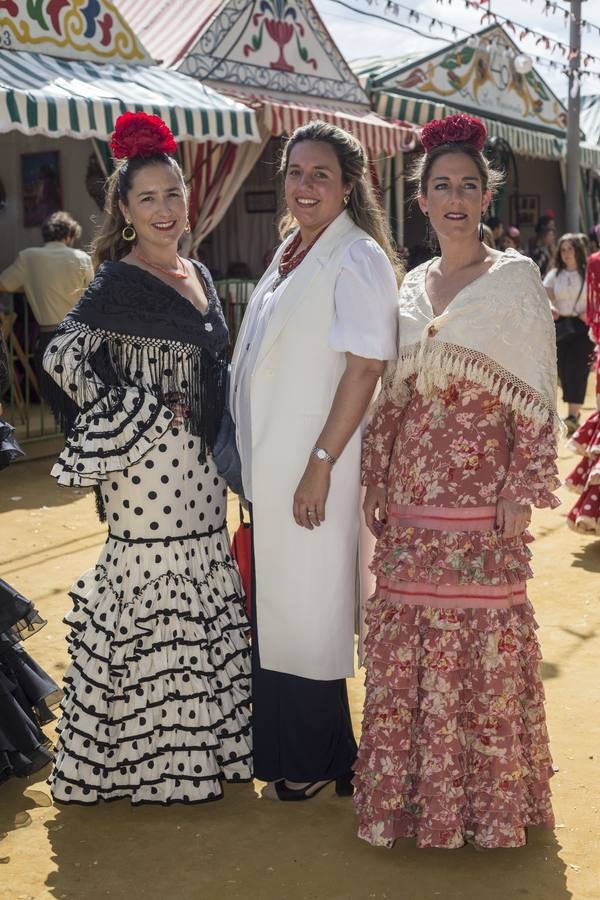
(497, 228)
(584, 516)
(461, 445)
(565, 285)
(511, 239)
(544, 245)
(53, 278)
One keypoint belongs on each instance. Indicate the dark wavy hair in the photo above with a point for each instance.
(108, 243)
(578, 243)
(363, 206)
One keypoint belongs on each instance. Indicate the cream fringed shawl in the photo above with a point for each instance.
(497, 332)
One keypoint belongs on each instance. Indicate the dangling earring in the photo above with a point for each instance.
(128, 233)
(428, 230)
(347, 198)
(188, 227)
(481, 232)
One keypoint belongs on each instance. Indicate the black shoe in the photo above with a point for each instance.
(343, 784)
(572, 423)
(288, 794)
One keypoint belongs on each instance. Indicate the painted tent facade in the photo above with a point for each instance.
(278, 57)
(68, 69)
(526, 121)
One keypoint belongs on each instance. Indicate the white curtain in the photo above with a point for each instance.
(215, 173)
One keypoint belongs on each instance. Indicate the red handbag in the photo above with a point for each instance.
(241, 550)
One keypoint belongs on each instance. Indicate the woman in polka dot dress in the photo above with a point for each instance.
(157, 693)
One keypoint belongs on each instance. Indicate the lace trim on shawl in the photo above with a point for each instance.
(436, 363)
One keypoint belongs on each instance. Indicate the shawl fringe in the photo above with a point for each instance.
(194, 378)
(436, 364)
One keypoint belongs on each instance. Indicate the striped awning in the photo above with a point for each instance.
(44, 95)
(380, 137)
(524, 141)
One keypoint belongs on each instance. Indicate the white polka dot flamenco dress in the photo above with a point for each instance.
(585, 477)
(157, 692)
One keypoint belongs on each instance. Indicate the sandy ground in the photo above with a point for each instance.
(252, 849)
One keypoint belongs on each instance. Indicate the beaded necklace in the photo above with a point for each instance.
(289, 261)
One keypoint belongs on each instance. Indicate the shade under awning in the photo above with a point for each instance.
(44, 95)
(282, 115)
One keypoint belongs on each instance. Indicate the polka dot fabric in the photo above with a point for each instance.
(585, 477)
(157, 693)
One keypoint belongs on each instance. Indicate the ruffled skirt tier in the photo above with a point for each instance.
(27, 693)
(158, 689)
(454, 745)
(585, 477)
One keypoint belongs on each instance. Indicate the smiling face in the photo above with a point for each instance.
(157, 206)
(314, 189)
(454, 198)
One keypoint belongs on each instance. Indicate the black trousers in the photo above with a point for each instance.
(302, 729)
(574, 358)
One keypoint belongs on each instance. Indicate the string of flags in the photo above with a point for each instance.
(520, 31)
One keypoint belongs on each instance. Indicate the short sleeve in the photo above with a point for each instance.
(366, 304)
(12, 279)
(550, 279)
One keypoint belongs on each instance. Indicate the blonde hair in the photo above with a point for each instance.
(362, 206)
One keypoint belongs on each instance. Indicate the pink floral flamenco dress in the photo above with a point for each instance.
(454, 745)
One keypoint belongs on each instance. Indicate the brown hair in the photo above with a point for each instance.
(576, 240)
(491, 178)
(108, 243)
(363, 206)
(60, 226)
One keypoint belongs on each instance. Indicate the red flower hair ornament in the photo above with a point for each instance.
(138, 134)
(457, 129)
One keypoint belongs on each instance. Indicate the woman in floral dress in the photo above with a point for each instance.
(462, 444)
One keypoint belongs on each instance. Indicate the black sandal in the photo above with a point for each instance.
(286, 793)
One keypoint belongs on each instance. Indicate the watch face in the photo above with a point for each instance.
(321, 454)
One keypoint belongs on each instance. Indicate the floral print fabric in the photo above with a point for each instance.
(454, 745)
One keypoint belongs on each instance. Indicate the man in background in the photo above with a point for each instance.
(53, 278)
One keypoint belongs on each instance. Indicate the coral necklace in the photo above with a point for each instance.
(289, 261)
(179, 273)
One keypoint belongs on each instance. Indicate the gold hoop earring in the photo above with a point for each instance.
(129, 232)
(188, 227)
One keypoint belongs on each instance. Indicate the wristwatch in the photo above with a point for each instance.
(323, 455)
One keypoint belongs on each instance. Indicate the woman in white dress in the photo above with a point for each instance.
(157, 694)
(319, 328)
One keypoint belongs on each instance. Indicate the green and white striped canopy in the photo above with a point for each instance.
(44, 95)
(524, 141)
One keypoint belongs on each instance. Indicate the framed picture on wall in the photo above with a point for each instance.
(524, 209)
(40, 186)
(261, 201)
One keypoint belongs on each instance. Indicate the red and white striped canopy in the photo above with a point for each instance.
(378, 135)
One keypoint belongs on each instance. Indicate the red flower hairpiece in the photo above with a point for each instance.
(138, 134)
(459, 128)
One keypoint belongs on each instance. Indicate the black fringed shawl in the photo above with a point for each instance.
(153, 331)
